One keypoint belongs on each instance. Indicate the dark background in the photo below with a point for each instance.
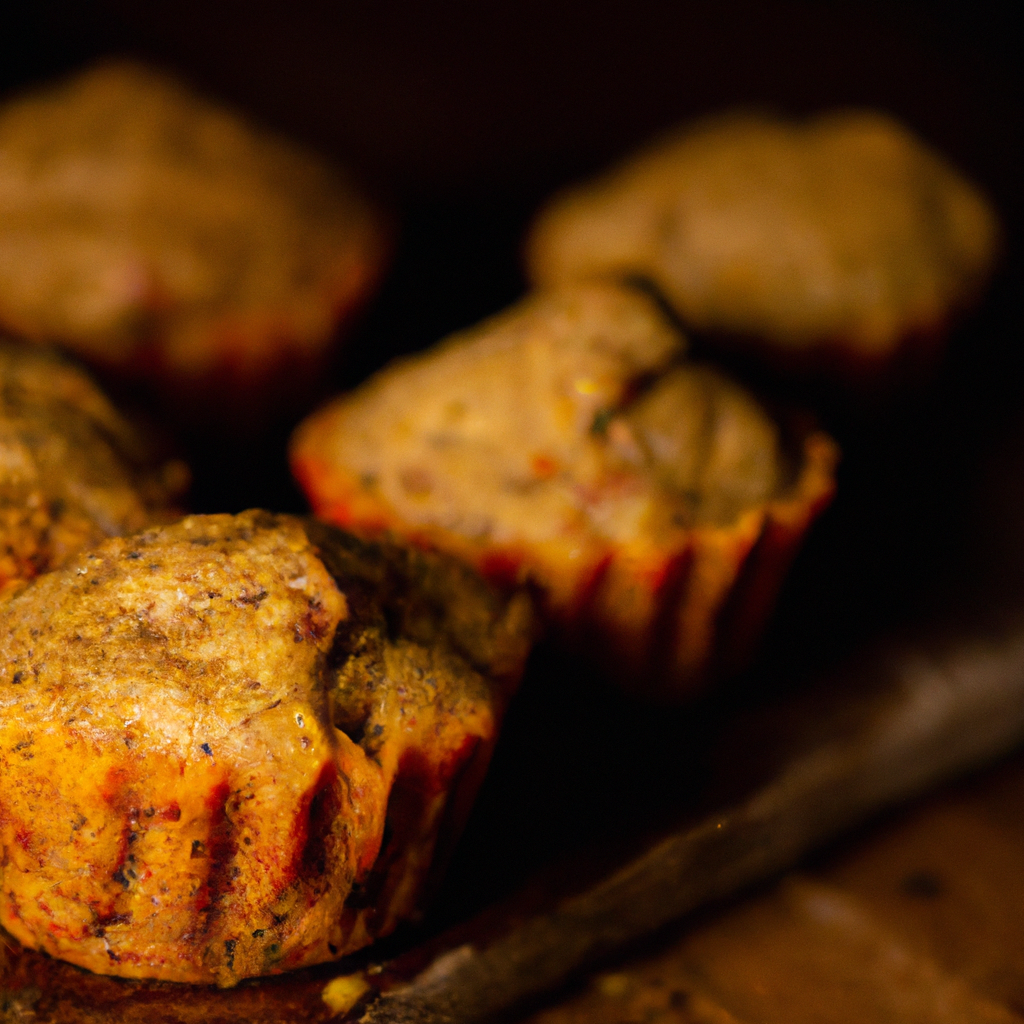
(461, 118)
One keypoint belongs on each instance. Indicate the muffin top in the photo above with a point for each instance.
(228, 745)
(136, 218)
(567, 415)
(844, 229)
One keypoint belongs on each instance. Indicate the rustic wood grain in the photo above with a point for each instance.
(911, 716)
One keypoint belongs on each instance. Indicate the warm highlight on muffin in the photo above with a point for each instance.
(230, 747)
(653, 504)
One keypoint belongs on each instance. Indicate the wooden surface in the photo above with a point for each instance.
(893, 724)
(921, 919)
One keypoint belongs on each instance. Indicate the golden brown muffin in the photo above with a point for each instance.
(155, 233)
(653, 504)
(72, 471)
(228, 746)
(840, 237)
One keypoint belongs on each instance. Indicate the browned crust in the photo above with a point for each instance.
(74, 471)
(220, 759)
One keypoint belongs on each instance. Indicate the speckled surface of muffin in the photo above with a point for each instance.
(230, 746)
(72, 470)
(653, 503)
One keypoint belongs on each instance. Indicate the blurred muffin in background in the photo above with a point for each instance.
(162, 237)
(836, 242)
(72, 471)
(653, 504)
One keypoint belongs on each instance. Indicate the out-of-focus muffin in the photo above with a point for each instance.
(159, 235)
(229, 747)
(72, 471)
(653, 504)
(837, 240)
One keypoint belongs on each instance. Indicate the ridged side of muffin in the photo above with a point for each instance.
(231, 746)
(564, 444)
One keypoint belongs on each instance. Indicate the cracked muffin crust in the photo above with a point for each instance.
(72, 471)
(652, 503)
(159, 235)
(228, 747)
(842, 237)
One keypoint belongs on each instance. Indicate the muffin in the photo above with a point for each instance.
(230, 746)
(161, 236)
(842, 239)
(652, 504)
(72, 471)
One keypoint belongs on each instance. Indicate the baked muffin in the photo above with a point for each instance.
(839, 239)
(228, 746)
(159, 235)
(72, 471)
(653, 504)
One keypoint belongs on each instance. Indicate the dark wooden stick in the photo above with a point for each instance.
(933, 710)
